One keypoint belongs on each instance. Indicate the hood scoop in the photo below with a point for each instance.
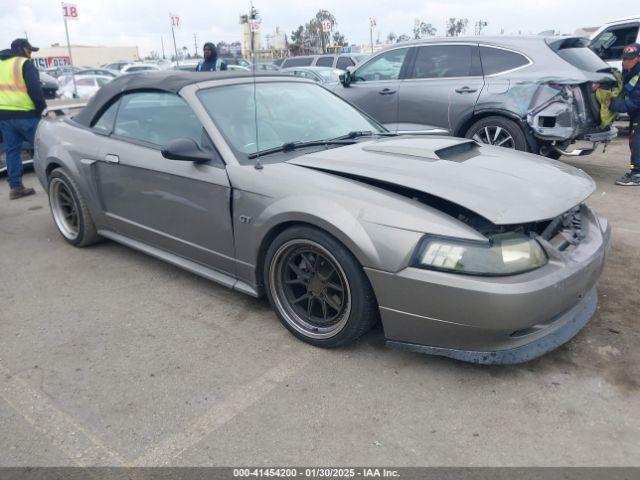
(455, 150)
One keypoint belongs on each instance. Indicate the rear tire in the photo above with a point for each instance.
(498, 131)
(318, 288)
(69, 210)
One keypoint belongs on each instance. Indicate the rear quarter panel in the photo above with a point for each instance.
(61, 144)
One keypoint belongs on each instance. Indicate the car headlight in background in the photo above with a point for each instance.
(506, 254)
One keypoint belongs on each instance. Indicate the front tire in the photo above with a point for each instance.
(318, 288)
(69, 210)
(498, 131)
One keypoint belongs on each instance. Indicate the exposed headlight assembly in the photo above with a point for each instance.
(505, 254)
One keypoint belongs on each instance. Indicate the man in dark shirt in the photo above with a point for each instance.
(21, 105)
(210, 62)
(630, 103)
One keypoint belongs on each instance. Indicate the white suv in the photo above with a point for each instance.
(610, 39)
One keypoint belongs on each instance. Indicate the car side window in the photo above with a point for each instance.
(104, 124)
(344, 62)
(386, 66)
(324, 62)
(610, 43)
(496, 60)
(298, 62)
(155, 118)
(444, 61)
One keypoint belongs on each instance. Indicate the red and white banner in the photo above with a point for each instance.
(50, 62)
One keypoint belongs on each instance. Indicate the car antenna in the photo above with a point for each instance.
(253, 23)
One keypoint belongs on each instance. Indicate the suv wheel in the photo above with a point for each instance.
(498, 131)
(318, 288)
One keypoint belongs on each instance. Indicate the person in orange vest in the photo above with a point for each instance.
(21, 105)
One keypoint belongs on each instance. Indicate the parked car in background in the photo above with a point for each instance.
(185, 65)
(140, 67)
(465, 250)
(322, 75)
(528, 93)
(56, 72)
(610, 39)
(339, 61)
(49, 85)
(236, 61)
(266, 66)
(105, 72)
(87, 85)
(117, 66)
(239, 68)
(278, 62)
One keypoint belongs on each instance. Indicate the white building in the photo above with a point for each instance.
(83, 55)
(245, 36)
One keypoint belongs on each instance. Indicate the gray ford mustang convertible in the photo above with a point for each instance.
(275, 185)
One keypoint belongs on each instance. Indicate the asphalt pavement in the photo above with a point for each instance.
(110, 357)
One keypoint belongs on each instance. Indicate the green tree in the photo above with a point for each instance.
(339, 39)
(391, 37)
(422, 29)
(456, 26)
(297, 36)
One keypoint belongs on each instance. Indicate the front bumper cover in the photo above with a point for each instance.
(572, 322)
(495, 319)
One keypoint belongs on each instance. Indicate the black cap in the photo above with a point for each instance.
(20, 43)
(631, 51)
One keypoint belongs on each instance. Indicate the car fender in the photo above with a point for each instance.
(319, 212)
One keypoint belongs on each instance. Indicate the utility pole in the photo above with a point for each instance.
(372, 24)
(66, 31)
(175, 47)
(195, 44)
(162, 42)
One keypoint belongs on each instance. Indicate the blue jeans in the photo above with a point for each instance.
(634, 146)
(14, 132)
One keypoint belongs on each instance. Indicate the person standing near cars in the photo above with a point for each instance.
(21, 105)
(210, 62)
(629, 103)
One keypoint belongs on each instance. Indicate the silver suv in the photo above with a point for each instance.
(528, 93)
(339, 61)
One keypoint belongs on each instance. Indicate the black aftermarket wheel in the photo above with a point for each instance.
(317, 288)
(69, 210)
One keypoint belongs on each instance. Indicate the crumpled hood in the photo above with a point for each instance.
(504, 186)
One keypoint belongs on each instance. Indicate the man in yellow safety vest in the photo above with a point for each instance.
(21, 105)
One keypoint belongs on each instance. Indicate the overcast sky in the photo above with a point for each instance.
(142, 22)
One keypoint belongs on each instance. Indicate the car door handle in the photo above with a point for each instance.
(109, 158)
(386, 91)
(466, 90)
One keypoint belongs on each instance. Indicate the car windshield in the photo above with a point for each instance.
(287, 112)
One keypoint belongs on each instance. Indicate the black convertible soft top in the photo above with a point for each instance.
(167, 81)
